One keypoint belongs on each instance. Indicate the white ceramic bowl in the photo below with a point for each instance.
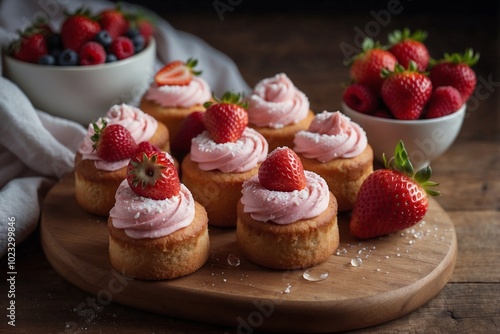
(83, 93)
(425, 139)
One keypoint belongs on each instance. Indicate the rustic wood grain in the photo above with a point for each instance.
(305, 45)
(399, 273)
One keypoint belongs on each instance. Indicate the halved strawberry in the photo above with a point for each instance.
(227, 118)
(113, 142)
(282, 171)
(153, 175)
(177, 73)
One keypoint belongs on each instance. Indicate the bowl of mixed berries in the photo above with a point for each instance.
(399, 93)
(92, 61)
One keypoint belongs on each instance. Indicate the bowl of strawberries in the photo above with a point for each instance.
(89, 63)
(398, 92)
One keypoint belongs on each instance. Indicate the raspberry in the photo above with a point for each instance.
(92, 53)
(360, 98)
(122, 47)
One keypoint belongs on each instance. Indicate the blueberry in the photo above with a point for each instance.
(47, 59)
(54, 41)
(110, 58)
(139, 43)
(104, 38)
(68, 57)
(132, 32)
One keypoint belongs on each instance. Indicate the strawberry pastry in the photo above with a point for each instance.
(338, 150)
(156, 229)
(176, 92)
(101, 161)
(287, 217)
(222, 157)
(278, 109)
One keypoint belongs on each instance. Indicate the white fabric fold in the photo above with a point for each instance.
(37, 149)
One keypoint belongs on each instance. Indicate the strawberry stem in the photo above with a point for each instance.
(401, 162)
(229, 97)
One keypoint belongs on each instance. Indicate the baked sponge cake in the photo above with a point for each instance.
(287, 217)
(156, 229)
(176, 92)
(96, 179)
(222, 157)
(278, 109)
(337, 149)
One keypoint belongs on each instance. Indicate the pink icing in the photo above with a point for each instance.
(331, 135)
(239, 156)
(197, 92)
(142, 217)
(276, 102)
(141, 126)
(283, 207)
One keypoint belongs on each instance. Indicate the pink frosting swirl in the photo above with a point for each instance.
(276, 102)
(141, 126)
(283, 207)
(331, 135)
(142, 217)
(239, 156)
(197, 92)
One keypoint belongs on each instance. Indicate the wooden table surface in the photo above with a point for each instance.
(305, 42)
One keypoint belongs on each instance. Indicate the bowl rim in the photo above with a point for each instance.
(457, 113)
(77, 68)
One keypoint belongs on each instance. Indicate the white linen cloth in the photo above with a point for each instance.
(36, 148)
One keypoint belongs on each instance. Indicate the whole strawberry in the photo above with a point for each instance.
(406, 91)
(226, 119)
(113, 142)
(31, 45)
(79, 28)
(391, 199)
(191, 127)
(113, 21)
(406, 46)
(365, 68)
(455, 70)
(444, 101)
(152, 174)
(282, 171)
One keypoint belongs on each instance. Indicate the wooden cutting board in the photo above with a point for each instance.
(398, 274)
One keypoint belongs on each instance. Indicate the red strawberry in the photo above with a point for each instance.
(391, 199)
(177, 73)
(146, 27)
(31, 45)
(360, 98)
(455, 70)
(113, 21)
(153, 175)
(122, 47)
(78, 29)
(367, 65)
(191, 127)
(282, 171)
(92, 53)
(406, 46)
(145, 146)
(406, 91)
(444, 101)
(226, 119)
(113, 142)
